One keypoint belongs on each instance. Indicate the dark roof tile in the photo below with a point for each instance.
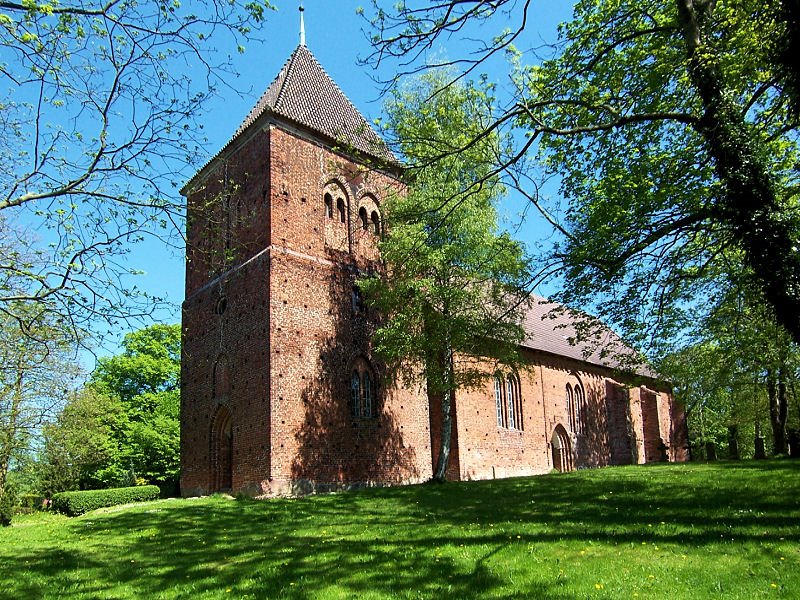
(305, 94)
(553, 328)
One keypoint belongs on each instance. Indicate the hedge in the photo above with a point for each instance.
(77, 503)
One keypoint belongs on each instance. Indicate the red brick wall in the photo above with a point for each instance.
(290, 331)
(259, 238)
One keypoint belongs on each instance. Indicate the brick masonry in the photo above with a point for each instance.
(272, 330)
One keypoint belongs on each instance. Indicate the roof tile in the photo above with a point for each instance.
(305, 94)
(553, 328)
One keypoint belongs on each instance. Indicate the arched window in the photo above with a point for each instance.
(571, 407)
(362, 216)
(328, 206)
(580, 408)
(512, 423)
(376, 223)
(514, 400)
(340, 209)
(498, 400)
(362, 390)
(357, 300)
(366, 405)
(355, 394)
(508, 401)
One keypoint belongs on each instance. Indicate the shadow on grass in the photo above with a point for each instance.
(429, 540)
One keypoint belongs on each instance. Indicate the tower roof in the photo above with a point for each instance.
(306, 95)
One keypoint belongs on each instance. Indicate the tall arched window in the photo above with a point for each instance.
(512, 423)
(376, 223)
(508, 401)
(514, 400)
(328, 206)
(355, 394)
(580, 408)
(366, 404)
(362, 390)
(362, 216)
(498, 399)
(571, 407)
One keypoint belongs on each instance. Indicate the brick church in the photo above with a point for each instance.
(281, 392)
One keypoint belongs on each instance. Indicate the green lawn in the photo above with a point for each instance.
(664, 531)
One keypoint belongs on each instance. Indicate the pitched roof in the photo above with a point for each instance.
(553, 328)
(306, 95)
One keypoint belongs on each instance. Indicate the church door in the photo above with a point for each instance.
(222, 451)
(562, 450)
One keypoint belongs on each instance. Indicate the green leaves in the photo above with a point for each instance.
(453, 281)
(126, 421)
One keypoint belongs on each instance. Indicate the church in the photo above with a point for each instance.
(281, 392)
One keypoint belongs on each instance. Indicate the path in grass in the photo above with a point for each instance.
(663, 531)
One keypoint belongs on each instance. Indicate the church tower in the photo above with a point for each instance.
(280, 391)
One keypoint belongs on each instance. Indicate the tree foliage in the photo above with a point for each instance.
(99, 124)
(125, 423)
(451, 288)
(675, 146)
(739, 377)
(81, 448)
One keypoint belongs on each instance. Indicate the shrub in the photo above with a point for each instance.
(77, 503)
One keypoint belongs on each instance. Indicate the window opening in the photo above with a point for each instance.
(362, 215)
(498, 400)
(376, 223)
(340, 209)
(328, 206)
(512, 423)
(366, 409)
(358, 300)
(355, 394)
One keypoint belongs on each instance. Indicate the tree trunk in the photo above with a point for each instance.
(749, 208)
(778, 409)
(9, 433)
(440, 473)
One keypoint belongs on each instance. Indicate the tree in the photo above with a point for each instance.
(80, 449)
(145, 378)
(451, 290)
(99, 126)
(738, 373)
(125, 422)
(37, 371)
(674, 143)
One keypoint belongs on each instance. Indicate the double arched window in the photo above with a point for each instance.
(369, 214)
(335, 203)
(362, 390)
(508, 401)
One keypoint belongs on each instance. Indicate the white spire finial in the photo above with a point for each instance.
(302, 27)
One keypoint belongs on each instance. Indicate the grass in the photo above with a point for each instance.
(728, 530)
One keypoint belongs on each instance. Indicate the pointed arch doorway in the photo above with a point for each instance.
(562, 449)
(222, 451)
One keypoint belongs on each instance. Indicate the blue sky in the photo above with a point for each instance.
(335, 34)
